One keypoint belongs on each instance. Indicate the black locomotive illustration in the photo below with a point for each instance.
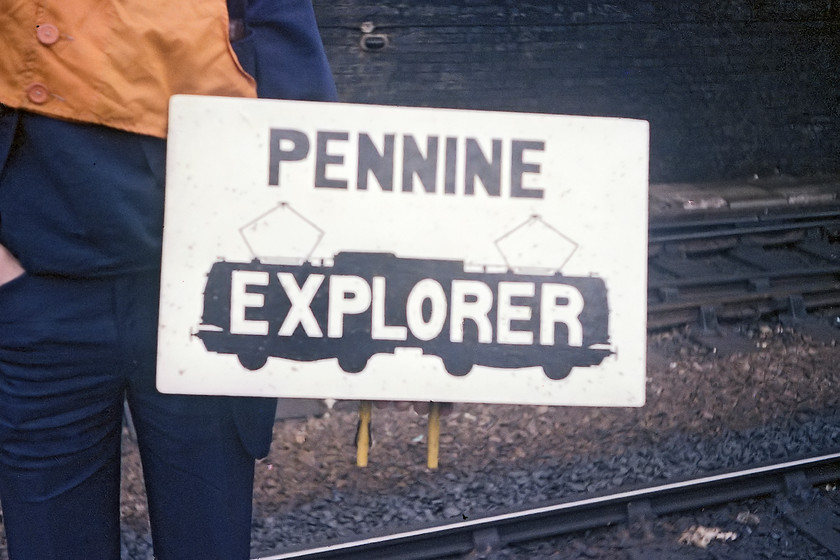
(554, 321)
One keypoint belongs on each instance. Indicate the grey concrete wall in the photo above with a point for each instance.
(731, 88)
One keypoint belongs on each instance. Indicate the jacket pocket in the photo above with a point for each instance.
(154, 149)
(245, 51)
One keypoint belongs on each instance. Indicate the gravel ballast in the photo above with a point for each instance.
(704, 413)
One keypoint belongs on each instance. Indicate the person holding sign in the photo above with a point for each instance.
(84, 91)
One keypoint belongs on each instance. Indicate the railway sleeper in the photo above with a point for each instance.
(712, 335)
(487, 542)
(814, 515)
(796, 316)
(640, 518)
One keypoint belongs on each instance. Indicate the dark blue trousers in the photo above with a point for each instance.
(70, 351)
(80, 206)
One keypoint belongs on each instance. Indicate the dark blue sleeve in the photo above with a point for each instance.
(282, 50)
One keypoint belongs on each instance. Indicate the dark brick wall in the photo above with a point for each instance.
(731, 88)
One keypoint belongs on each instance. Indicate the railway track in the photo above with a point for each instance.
(792, 481)
(732, 252)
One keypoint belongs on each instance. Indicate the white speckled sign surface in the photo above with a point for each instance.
(327, 250)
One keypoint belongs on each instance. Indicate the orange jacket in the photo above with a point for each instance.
(115, 62)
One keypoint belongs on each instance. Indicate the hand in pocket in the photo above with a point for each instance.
(9, 266)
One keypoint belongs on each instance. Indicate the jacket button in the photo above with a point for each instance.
(47, 33)
(38, 93)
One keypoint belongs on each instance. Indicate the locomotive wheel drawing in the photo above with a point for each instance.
(458, 365)
(353, 364)
(557, 371)
(252, 362)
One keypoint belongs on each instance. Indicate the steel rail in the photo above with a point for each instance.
(801, 274)
(739, 306)
(493, 531)
(699, 231)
